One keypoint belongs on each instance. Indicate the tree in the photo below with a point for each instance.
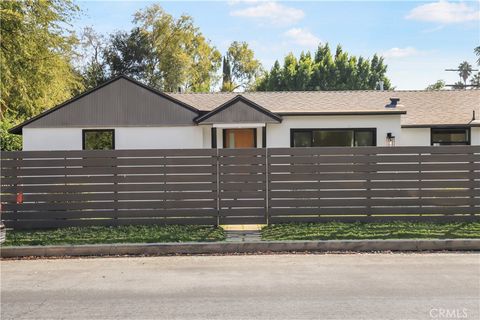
(129, 54)
(475, 81)
(477, 52)
(93, 67)
(36, 59)
(181, 57)
(240, 68)
(459, 85)
(227, 85)
(464, 71)
(325, 71)
(439, 85)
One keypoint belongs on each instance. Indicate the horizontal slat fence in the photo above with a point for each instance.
(373, 183)
(118, 187)
(47, 189)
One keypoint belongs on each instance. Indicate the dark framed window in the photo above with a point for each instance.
(333, 137)
(98, 139)
(449, 136)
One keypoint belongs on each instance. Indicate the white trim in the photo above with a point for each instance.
(238, 125)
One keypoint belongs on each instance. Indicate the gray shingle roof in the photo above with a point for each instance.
(423, 107)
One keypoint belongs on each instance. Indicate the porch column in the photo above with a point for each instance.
(264, 136)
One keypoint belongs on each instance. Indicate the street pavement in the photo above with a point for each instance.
(289, 286)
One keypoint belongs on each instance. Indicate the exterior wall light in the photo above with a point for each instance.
(390, 140)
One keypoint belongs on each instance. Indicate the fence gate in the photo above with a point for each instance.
(242, 186)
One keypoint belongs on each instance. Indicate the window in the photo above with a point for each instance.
(99, 139)
(333, 137)
(450, 136)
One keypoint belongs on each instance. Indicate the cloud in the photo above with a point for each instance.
(401, 52)
(444, 12)
(235, 2)
(302, 37)
(272, 12)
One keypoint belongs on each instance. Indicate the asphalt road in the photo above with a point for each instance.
(332, 286)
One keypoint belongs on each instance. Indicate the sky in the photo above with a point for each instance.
(419, 40)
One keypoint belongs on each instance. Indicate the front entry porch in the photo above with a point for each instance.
(239, 136)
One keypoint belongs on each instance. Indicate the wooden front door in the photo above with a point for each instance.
(239, 138)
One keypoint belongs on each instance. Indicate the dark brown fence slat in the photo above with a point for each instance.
(108, 153)
(101, 214)
(348, 194)
(57, 197)
(364, 218)
(138, 187)
(107, 162)
(379, 211)
(375, 150)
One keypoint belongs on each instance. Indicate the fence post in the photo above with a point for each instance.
(267, 187)
(217, 173)
(115, 186)
(472, 180)
(369, 181)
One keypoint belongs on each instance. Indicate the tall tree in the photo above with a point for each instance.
(464, 71)
(181, 56)
(227, 85)
(326, 71)
(241, 68)
(36, 56)
(92, 62)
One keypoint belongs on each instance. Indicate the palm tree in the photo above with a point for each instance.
(477, 52)
(465, 70)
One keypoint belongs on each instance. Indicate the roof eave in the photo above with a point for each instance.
(342, 113)
(436, 125)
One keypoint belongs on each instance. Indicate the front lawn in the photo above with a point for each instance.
(392, 230)
(121, 234)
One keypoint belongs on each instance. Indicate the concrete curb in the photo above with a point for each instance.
(240, 247)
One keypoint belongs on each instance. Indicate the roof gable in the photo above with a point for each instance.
(239, 110)
(121, 101)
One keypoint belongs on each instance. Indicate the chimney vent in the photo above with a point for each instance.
(393, 103)
(380, 85)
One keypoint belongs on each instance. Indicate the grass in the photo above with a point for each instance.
(392, 230)
(121, 234)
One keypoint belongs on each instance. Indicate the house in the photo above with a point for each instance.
(125, 114)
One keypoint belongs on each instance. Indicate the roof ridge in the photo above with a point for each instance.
(314, 91)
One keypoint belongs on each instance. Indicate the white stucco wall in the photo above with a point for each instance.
(475, 136)
(414, 137)
(52, 139)
(278, 135)
(183, 137)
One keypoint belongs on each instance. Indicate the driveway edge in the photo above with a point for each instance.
(240, 247)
